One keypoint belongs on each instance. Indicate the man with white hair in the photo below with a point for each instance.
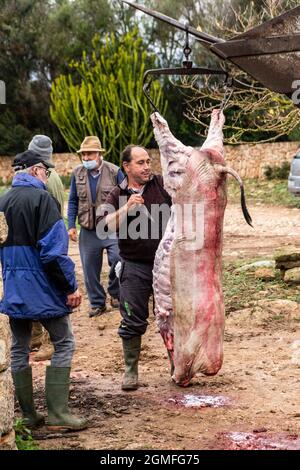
(39, 284)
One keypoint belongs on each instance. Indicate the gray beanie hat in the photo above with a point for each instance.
(42, 145)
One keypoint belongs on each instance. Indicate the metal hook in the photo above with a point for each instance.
(146, 87)
(187, 49)
(228, 93)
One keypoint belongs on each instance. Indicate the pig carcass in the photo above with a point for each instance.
(187, 274)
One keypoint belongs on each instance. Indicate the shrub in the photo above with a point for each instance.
(277, 172)
(107, 98)
(24, 439)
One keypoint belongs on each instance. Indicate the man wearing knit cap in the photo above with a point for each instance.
(42, 145)
(39, 284)
(90, 185)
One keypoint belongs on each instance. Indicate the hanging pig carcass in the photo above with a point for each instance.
(189, 304)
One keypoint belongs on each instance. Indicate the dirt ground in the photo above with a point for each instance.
(252, 403)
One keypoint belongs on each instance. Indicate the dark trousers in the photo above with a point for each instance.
(135, 290)
(91, 254)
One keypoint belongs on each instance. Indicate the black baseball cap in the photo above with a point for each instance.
(28, 159)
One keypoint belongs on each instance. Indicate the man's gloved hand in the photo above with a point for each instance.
(118, 269)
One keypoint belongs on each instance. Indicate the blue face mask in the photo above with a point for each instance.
(90, 164)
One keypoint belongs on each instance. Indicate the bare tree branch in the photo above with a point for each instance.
(253, 113)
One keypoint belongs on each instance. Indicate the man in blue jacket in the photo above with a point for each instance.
(39, 284)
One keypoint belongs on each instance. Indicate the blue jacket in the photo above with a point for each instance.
(36, 269)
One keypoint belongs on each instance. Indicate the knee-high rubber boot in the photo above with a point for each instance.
(24, 390)
(57, 398)
(131, 350)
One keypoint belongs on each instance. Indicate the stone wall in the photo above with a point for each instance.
(64, 163)
(7, 434)
(248, 160)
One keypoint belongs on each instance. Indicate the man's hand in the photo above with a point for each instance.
(73, 234)
(74, 300)
(134, 201)
(115, 220)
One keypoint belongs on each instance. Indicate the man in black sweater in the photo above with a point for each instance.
(137, 210)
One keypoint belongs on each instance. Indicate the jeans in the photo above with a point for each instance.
(91, 253)
(61, 335)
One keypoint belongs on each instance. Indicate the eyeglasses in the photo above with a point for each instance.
(47, 171)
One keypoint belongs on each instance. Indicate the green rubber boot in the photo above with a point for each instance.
(57, 397)
(131, 350)
(24, 390)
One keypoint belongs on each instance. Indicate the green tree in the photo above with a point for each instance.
(18, 64)
(38, 39)
(106, 98)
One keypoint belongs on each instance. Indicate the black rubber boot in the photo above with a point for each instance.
(131, 350)
(57, 397)
(24, 390)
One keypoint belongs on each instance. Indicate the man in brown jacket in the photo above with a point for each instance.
(90, 185)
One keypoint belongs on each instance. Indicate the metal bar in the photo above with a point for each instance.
(269, 52)
(204, 38)
(181, 71)
(256, 47)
